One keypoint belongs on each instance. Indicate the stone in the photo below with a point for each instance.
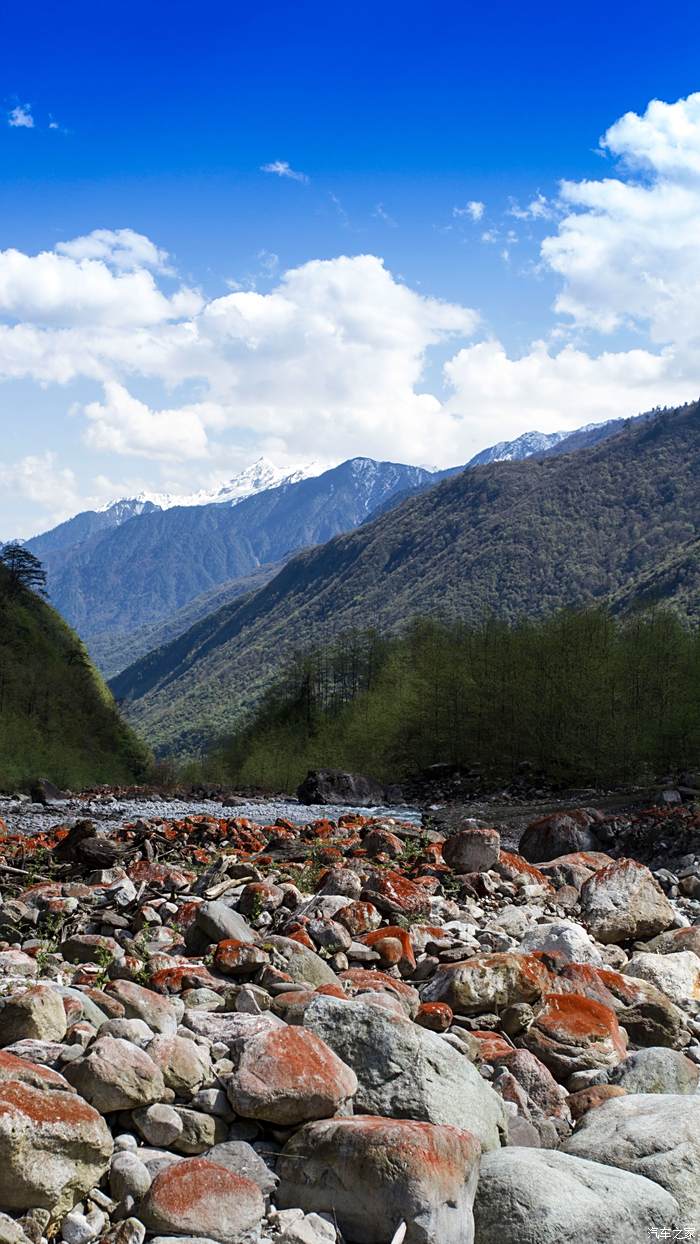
(199, 1131)
(545, 1097)
(133, 1030)
(572, 1033)
(129, 1231)
(371, 1174)
(303, 965)
(335, 786)
(36, 1013)
(78, 1228)
(587, 1099)
(289, 1076)
(159, 1124)
(404, 1071)
(623, 902)
(234, 958)
(228, 1027)
(145, 1004)
(34, 1074)
(197, 1198)
(54, 1147)
(561, 937)
(488, 982)
(311, 1229)
(219, 923)
(11, 1231)
(115, 1075)
(184, 1065)
(677, 974)
(676, 939)
(656, 1070)
(472, 850)
(241, 1159)
(540, 1196)
(652, 1134)
(128, 1176)
(559, 833)
(91, 948)
(395, 895)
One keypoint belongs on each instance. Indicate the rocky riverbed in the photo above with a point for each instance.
(258, 1024)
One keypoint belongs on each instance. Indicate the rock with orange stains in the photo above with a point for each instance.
(646, 1014)
(359, 981)
(563, 937)
(675, 940)
(234, 958)
(436, 1016)
(406, 959)
(34, 1074)
(141, 1003)
(624, 902)
(196, 1197)
(514, 867)
(395, 895)
(575, 868)
(405, 1071)
(359, 918)
(54, 1148)
(677, 975)
(571, 1033)
(488, 982)
(382, 842)
(371, 1174)
(288, 1076)
(587, 1099)
(301, 964)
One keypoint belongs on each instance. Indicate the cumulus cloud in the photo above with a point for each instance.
(123, 249)
(39, 478)
(281, 168)
(122, 424)
(20, 117)
(473, 209)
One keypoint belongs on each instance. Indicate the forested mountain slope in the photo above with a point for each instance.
(512, 539)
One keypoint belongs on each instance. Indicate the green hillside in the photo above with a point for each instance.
(57, 718)
(516, 539)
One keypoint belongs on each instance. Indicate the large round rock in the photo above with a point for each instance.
(288, 1076)
(370, 1174)
(53, 1148)
(472, 850)
(540, 1196)
(199, 1198)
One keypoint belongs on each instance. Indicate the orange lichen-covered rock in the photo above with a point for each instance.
(176, 979)
(358, 981)
(488, 982)
(160, 875)
(382, 842)
(394, 895)
(436, 1016)
(492, 1046)
(587, 1099)
(359, 918)
(145, 1004)
(406, 959)
(199, 1198)
(288, 1076)
(34, 1074)
(472, 850)
(234, 958)
(513, 867)
(572, 1033)
(53, 1148)
(368, 1170)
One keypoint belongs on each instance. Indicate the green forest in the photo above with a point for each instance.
(582, 697)
(57, 718)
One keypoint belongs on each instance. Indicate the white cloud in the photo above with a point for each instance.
(382, 214)
(122, 249)
(20, 117)
(39, 479)
(282, 169)
(473, 209)
(539, 208)
(124, 425)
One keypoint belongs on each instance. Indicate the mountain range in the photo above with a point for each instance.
(142, 570)
(616, 520)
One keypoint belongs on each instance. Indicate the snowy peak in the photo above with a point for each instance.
(258, 477)
(525, 446)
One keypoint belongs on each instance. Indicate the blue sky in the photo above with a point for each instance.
(434, 138)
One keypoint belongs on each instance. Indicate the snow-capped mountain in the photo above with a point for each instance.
(524, 446)
(258, 477)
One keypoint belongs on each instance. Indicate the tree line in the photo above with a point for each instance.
(580, 697)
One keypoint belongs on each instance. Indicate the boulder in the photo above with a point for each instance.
(241, 1158)
(572, 1033)
(116, 1075)
(145, 1004)
(561, 937)
(303, 965)
(623, 902)
(656, 1070)
(27, 1072)
(198, 1198)
(652, 1134)
(676, 939)
(676, 974)
(404, 1071)
(219, 923)
(559, 833)
(289, 1076)
(184, 1064)
(36, 1013)
(53, 1148)
(371, 1174)
(334, 786)
(541, 1196)
(587, 1099)
(488, 982)
(396, 896)
(472, 850)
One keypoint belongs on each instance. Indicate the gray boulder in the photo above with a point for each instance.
(651, 1134)
(407, 1072)
(334, 786)
(656, 1070)
(541, 1196)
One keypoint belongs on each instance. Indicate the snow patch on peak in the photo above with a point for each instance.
(258, 477)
